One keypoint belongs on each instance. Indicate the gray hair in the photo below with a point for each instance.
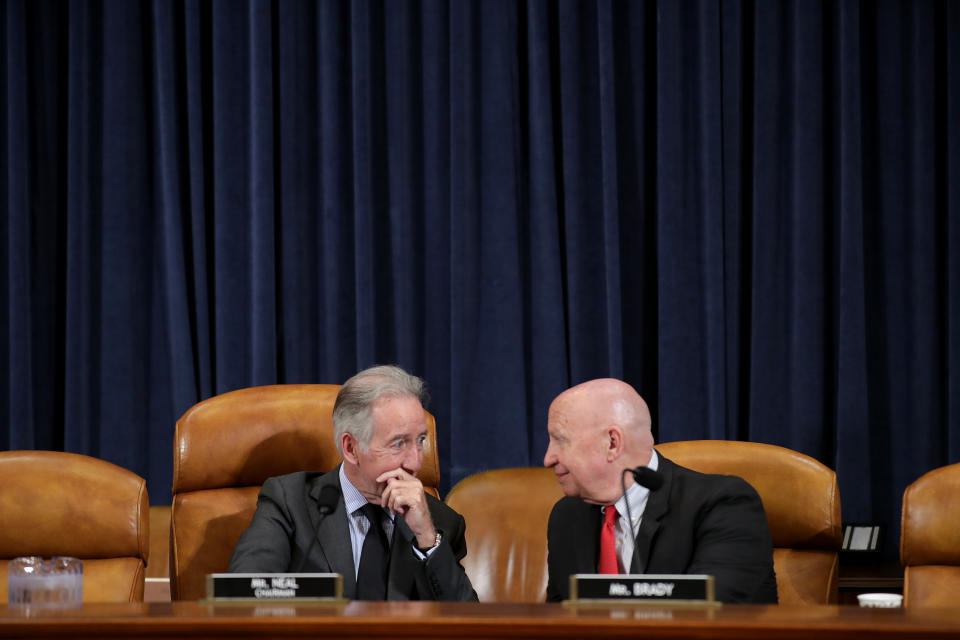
(351, 411)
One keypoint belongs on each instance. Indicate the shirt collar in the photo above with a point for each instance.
(636, 495)
(352, 498)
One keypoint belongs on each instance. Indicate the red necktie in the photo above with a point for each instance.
(608, 543)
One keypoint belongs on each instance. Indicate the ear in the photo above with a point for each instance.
(614, 442)
(349, 446)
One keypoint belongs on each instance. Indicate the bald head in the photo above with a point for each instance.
(597, 429)
(606, 401)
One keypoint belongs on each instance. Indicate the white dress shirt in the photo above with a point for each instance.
(637, 496)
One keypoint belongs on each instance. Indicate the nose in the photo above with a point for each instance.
(413, 459)
(549, 458)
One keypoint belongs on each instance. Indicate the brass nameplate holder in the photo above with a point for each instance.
(642, 589)
(246, 587)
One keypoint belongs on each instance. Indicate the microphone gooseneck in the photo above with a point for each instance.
(326, 503)
(645, 477)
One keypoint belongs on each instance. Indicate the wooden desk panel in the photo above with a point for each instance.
(868, 577)
(466, 621)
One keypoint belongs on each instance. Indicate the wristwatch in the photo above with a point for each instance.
(436, 543)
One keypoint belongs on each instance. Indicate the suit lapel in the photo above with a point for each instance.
(658, 504)
(333, 549)
(588, 539)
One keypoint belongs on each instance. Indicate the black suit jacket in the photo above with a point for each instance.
(287, 518)
(694, 524)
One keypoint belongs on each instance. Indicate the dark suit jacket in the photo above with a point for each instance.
(287, 517)
(693, 524)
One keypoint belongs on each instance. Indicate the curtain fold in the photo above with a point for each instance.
(746, 210)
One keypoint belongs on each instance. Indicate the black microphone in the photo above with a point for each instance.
(645, 477)
(326, 503)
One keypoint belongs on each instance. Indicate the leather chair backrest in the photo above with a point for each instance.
(802, 501)
(506, 512)
(66, 504)
(224, 449)
(930, 539)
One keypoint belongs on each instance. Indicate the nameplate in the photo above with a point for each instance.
(275, 586)
(645, 588)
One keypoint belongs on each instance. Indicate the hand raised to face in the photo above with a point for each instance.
(404, 495)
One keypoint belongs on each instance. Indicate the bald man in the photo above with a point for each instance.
(692, 524)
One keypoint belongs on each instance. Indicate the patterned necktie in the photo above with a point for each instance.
(372, 573)
(608, 542)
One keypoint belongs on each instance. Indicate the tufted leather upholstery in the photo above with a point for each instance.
(930, 539)
(506, 511)
(802, 501)
(65, 504)
(226, 446)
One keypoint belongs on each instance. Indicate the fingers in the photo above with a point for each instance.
(402, 495)
(397, 474)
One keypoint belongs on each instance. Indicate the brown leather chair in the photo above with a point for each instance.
(506, 511)
(224, 449)
(507, 554)
(930, 539)
(66, 504)
(802, 501)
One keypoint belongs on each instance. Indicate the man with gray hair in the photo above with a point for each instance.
(388, 538)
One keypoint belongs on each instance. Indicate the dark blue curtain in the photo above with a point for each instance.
(747, 210)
